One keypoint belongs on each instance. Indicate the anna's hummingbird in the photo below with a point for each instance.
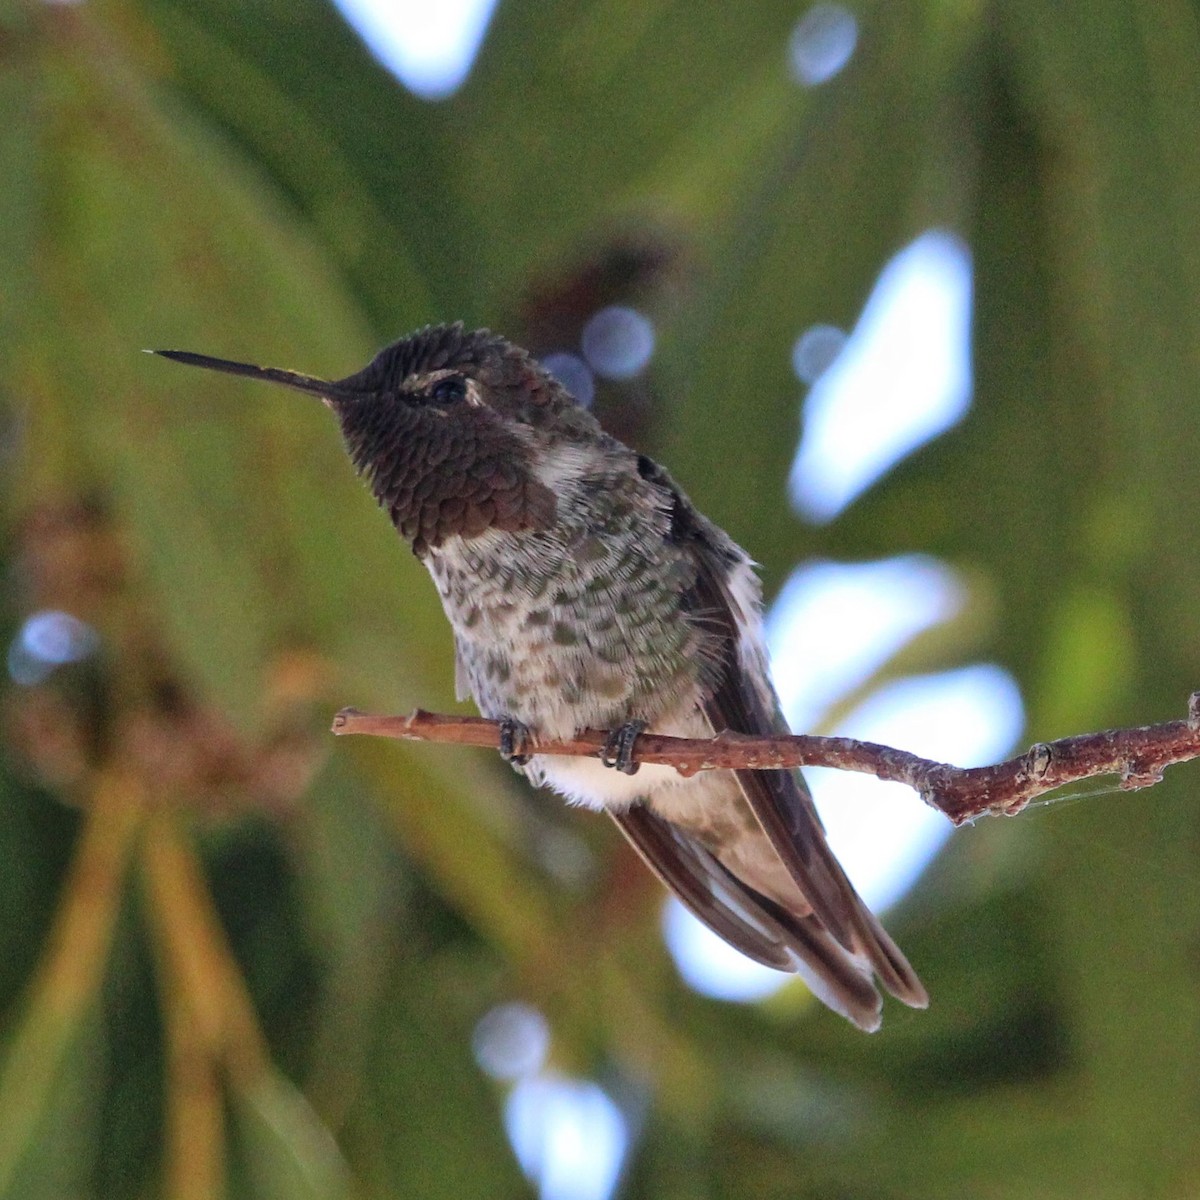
(585, 591)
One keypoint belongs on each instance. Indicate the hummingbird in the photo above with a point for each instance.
(585, 590)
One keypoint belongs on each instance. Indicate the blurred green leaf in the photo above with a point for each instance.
(287, 1153)
(56, 1036)
(60, 1129)
(425, 1120)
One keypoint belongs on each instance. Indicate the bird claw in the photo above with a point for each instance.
(618, 747)
(515, 742)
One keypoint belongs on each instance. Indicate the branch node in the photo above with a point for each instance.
(1038, 759)
(1193, 717)
(932, 784)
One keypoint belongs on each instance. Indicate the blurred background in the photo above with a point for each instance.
(903, 294)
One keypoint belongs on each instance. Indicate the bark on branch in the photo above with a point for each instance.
(1138, 756)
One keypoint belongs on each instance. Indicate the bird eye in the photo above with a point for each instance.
(449, 390)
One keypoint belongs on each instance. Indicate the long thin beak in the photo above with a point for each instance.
(324, 388)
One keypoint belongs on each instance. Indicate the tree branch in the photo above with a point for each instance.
(1139, 756)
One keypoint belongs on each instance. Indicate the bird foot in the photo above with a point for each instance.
(618, 747)
(515, 742)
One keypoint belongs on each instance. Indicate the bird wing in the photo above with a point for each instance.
(825, 929)
(748, 921)
(742, 700)
(704, 886)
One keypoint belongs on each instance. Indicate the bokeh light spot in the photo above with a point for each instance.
(822, 43)
(568, 1135)
(510, 1041)
(46, 640)
(833, 624)
(903, 377)
(815, 351)
(429, 45)
(618, 342)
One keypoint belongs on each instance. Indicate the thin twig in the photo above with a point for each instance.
(1139, 756)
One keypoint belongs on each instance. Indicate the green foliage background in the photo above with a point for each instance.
(240, 960)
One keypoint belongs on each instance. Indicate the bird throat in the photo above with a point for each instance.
(444, 473)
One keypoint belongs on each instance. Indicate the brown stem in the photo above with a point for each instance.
(1139, 756)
